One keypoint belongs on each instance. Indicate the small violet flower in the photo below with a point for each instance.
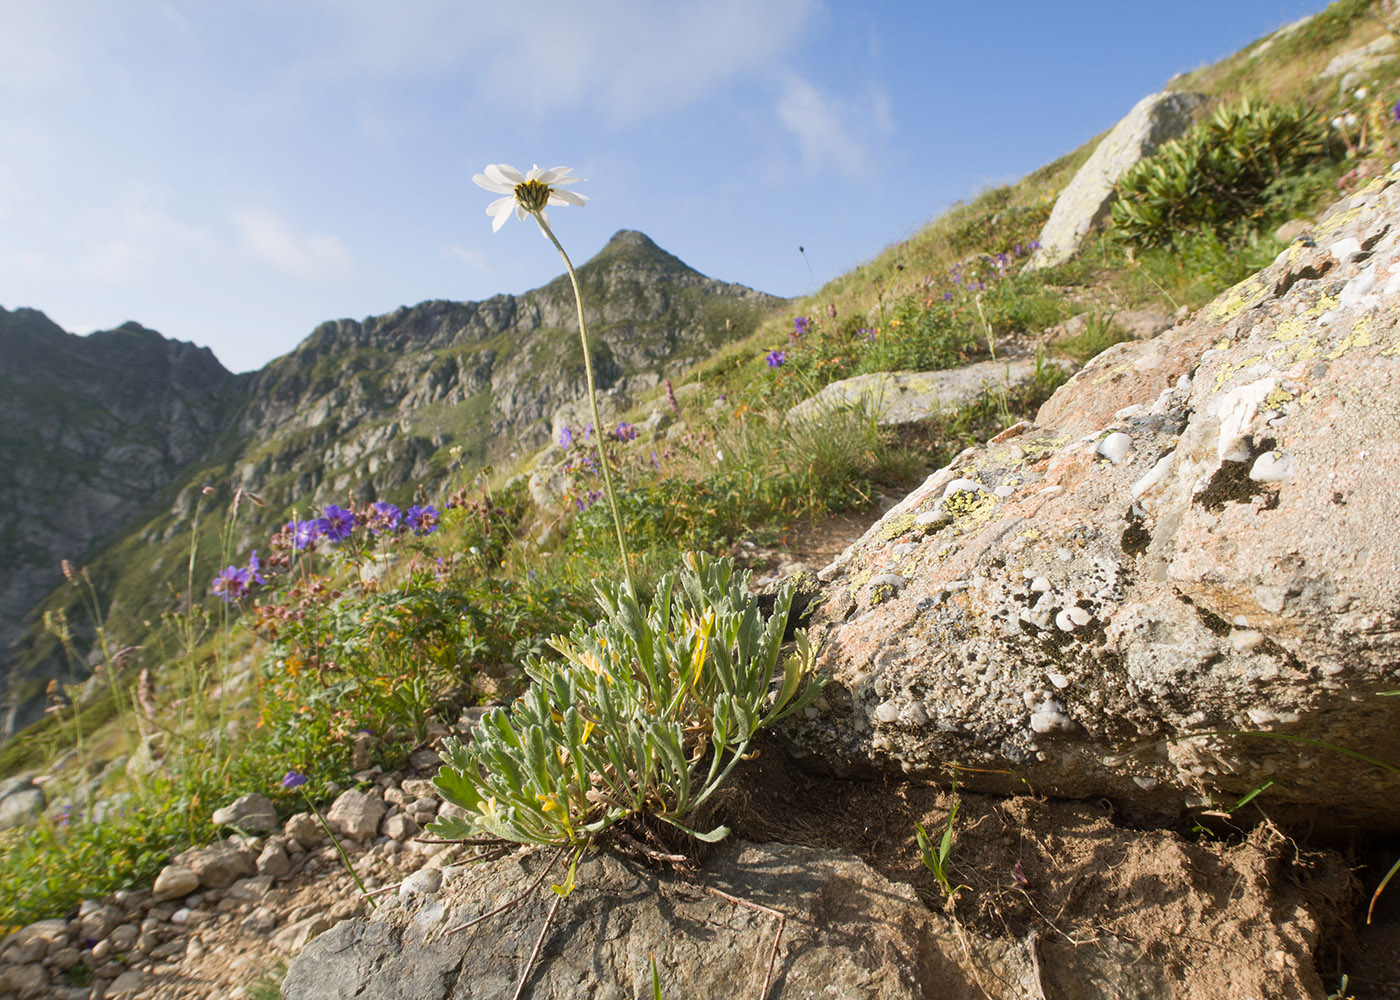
(384, 518)
(422, 520)
(233, 582)
(305, 533)
(566, 436)
(338, 524)
(293, 779)
(799, 327)
(776, 359)
(253, 567)
(626, 431)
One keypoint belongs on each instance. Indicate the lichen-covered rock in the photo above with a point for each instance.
(1086, 199)
(1196, 534)
(899, 398)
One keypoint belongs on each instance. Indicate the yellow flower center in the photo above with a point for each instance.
(532, 195)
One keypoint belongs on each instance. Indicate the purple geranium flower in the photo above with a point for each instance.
(231, 584)
(799, 327)
(776, 359)
(304, 533)
(293, 779)
(253, 567)
(566, 436)
(422, 520)
(625, 431)
(384, 518)
(339, 523)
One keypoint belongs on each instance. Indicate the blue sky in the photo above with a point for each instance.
(233, 172)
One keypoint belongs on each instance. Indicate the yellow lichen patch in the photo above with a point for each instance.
(1038, 449)
(1357, 338)
(1376, 184)
(971, 509)
(1277, 398)
(966, 502)
(895, 527)
(1229, 369)
(1289, 328)
(1233, 301)
(1223, 344)
(859, 580)
(1392, 351)
(1341, 219)
(1304, 350)
(1324, 303)
(1030, 534)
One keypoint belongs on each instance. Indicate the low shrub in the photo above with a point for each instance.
(1223, 170)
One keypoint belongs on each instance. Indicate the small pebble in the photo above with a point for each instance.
(1115, 447)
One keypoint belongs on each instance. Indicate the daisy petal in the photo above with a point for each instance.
(481, 180)
(558, 196)
(504, 173)
(554, 175)
(499, 210)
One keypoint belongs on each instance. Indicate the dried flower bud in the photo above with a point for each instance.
(69, 573)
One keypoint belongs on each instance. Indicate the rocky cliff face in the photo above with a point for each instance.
(373, 400)
(91, 429)
(114, 436)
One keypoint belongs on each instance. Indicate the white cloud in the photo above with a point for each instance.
(831, 132)
(271, 238)
(621, 59)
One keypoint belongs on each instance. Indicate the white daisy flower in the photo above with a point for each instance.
(527, 194)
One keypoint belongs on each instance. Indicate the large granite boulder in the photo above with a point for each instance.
(1196, 535)
(1085, 202)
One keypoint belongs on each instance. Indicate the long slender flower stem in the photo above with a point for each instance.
(343, 856)
(593, 402)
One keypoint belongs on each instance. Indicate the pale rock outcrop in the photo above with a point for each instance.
(901, 398)
(1196, 535)
(704, 946)
(1086, 200)
(356, 814)
(250, 813)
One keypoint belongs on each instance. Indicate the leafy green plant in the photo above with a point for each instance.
(1222, 171)
(646, 716)
(1099, 334)
(935, 859)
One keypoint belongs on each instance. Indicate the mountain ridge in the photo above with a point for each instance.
(370, 406)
